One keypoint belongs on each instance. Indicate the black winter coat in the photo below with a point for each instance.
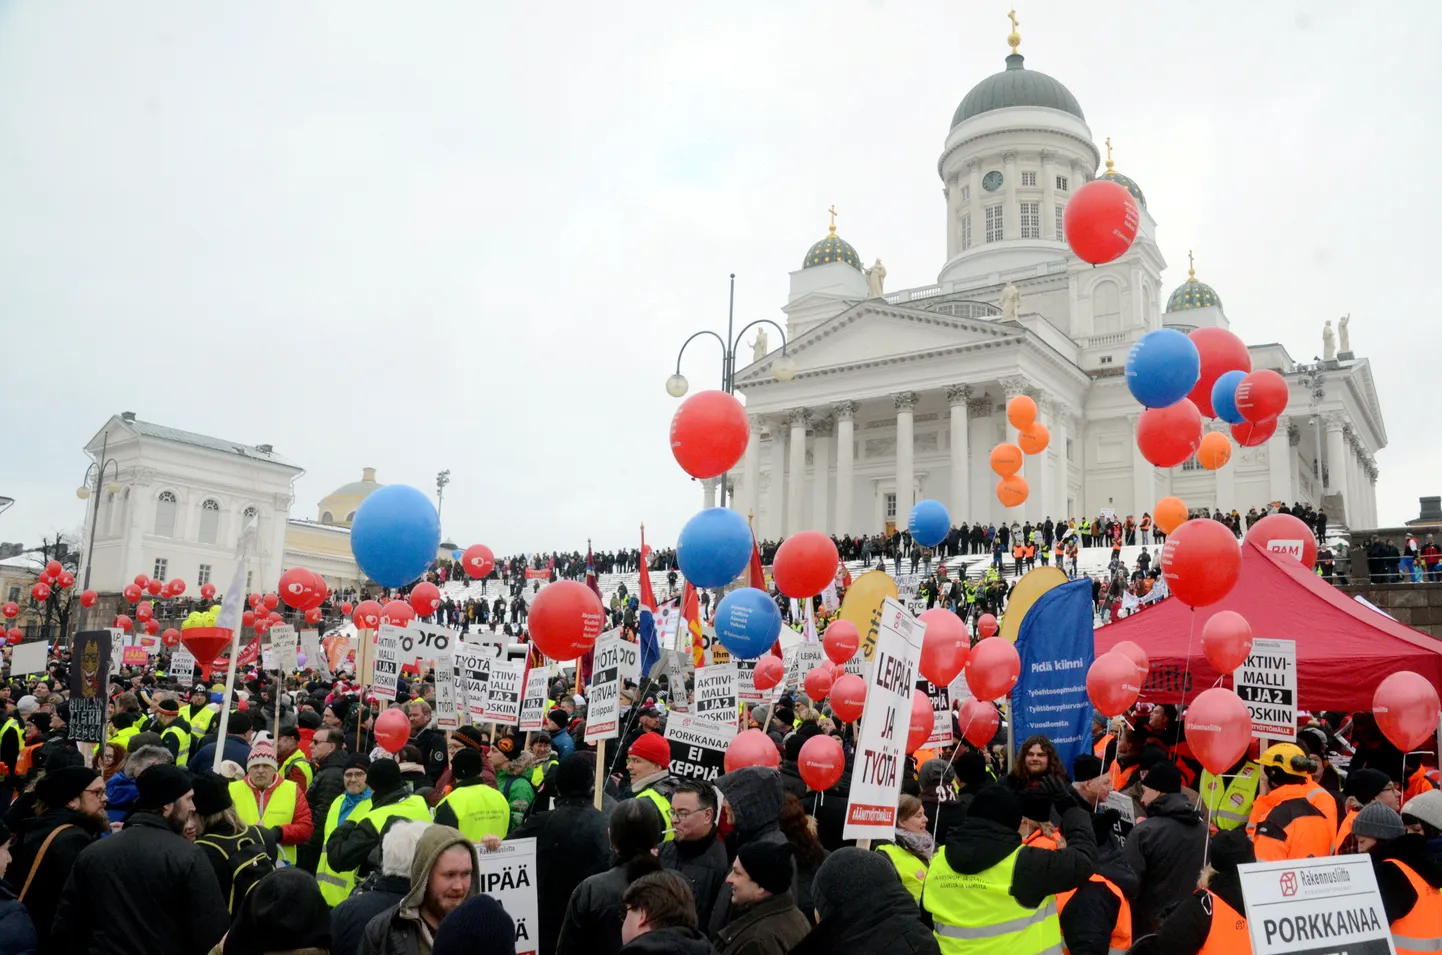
(670, 941)
(329, 782)
(703, 863)
(147, 885)
(572, 844)
(1185, 929)
(1165, 850)
(348, 920)
(592, 925)
(17, 931)
(44, 895)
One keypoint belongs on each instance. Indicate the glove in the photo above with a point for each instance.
(1063, 797)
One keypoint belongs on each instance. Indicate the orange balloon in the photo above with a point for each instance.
(1006, 459)
(1215, 450)
(1034, 439)
(1021, 412)
(1011, 490)
(1171, 513)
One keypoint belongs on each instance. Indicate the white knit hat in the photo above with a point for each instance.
(262, 753)
(1426, 807)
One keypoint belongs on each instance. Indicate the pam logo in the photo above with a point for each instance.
(1292, 548)
(1289, 884)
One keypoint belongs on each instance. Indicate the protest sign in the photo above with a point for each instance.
(716, 694)
(746, 683)
(533, 703)
(604, 707)
(182, 665)
(880, 749)
(508, 875)
(267, 658)
(1315, 907)
(503, 692)
(698, 746)
(28, 658)
(475, 665)
(678, 699)
(135, 656)
(940, 713)
(1267, 683)
(310, 645)
(448, 704)
(423, 641)
(1056, 645)
(89, 679)
(287, 647)
(808, 656)
(118, 642)
(386, 680)
(668, 622)
(715, 651)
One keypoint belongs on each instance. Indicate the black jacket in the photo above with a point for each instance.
(1398, 896)
(703, 863)
(1091, 914)
(44, 895)
(592, 925)
(144, 884)
(572, 843)
(978, 844)
(1185, 929)
(668, 941)
(348, 920)
(1165, 850)
(772, 926)
(17, 931)
(329, 782)
(432, 744)
(887, 923)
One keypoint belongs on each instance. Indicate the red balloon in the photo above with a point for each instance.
(131, 592)
(1113, 684)
(152, 626)
(565, 620)
(296, 587)
(848, 697)
(271, 601)
(1137, 655)
(124, 622)
(1201, 562)
(392, 730)
(840, 641)
(1100, 221)
(247, 619)
(155, 587)
(320, 593)
(923, 718)
(1285, 534)
(709, 434)
(1219, 729)
(53, 568)
(207, 591)
(993, 669)
(14, 635)
(346, 608)
(262, 625)
(979, 720)
(805, 564)
(944, 647)
(367, 615)
(397, 613)
(478, 561)
(1406, 708)
(141, 580)
(1169, 436)
(171, 637)
(1226, 640)
(254, 601)
(11, 609)
(821, 762)
(987, 625)
(1221, 352)
(175, 588)
(1250, 435)
(144, 610)
(88, 598)
(817, 683)
(1261, 395)
(274, 617)
(40, 592)
(750, 748)
(312, 615)
(425, 598)
(769, 672)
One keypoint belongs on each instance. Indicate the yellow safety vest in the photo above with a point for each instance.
(908, 865)
(663, 804)
(1230, 803)
(538, 775)
(336, 887)
(279, 809)
(976, 914)
(480, 811)
(182, 740)
(412, 807)
(199, 721)
(13, 725)
(124, 736)
(306, 769)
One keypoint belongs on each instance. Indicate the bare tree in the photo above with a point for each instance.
(56, 610)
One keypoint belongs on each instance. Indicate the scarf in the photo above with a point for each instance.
(919, 844)
(349, 802)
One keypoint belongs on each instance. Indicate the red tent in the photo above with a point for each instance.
(1344, 648)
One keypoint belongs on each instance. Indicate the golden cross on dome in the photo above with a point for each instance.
(1191, 267)
(1013, 38)
(1109, 154)
(832, 212)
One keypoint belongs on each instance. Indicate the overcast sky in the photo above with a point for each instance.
(471, 235)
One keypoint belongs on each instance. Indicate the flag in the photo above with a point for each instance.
(691, 618)
(756, 577)
(645, 613)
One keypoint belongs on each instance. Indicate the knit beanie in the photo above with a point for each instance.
(971, 769)
(1085, 768)
(997, 804)
(161, 785)
(478, 926)
(470, 736)
(1231, 848)
(384, 776)
(849, 874)
(1365, 785)
(261, 753)
(1426, 807)
(58, 786)
(1378, 821)
(560, 717)
(768, 864)
(465, 764)
(653, 748)
(574, 774)
(212, 794)
(284, 911)
(1036, 805)
(1164, 778)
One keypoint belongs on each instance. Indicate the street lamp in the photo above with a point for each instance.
(96, 468)
(5, 503)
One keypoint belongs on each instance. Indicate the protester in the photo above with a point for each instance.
(767, 921)
(513, 765)
(556, 722)
(1096, 919)
(1212, 918)
(465, 737)
(1166, 849)
(660, 918)
(444, 873)
(283, 915)
(753, 809)
(294, 765)
(1285, 822)
(263, 798)
(478, 926)
(648, 764)
(70, 805)
(354, 801)
(381, 891)
(1408, 878)
(120, 790)
(237, 852)
(474, 808)
(199, 713)
(236, 747)
(886, 923)
(328, 784)
(17, 930)
(696, 853)
(428, 741)
(1091, 784)
(911, 847)
(145, 890)
(1039, 759)
(175, 732)
(1423, 815)
(592, 924)
(355, 844)
(1363, 787)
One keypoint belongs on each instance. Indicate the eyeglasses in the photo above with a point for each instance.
(95, 792)
(682, 814)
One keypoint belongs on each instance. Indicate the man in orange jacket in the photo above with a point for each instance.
(1284, 822)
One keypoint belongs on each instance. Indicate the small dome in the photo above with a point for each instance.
(341, 504)
(1123, 181)
(833, 248)
(1016, 86)
(1193, 294)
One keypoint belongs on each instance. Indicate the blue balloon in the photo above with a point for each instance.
(1224, 397)
(456, 554)
(747, 622)
(714, 547)
(929, 523)
(395, 535)
(1162, 368)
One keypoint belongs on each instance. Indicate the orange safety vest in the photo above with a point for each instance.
(1122, 778)
(1343, 831)
(1121, 931)
(1228, 934)
(1030, 551)
(1419, 929)
(1099, 750)
(1285, 825)
(1018, 551)
(1323, 800)
(1418, 783)
(1146, 523)
(1039, 840)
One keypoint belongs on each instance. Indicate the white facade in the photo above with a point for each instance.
(902, 397)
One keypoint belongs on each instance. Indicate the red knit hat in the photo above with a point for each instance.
(653, 748)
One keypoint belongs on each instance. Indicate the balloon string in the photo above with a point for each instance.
(1187, 673)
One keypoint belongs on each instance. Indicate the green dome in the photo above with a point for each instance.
(1126, 184)
(833, 248)
(1016, 86)
(1193, 294)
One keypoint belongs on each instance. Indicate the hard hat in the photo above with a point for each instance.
(1288, 757)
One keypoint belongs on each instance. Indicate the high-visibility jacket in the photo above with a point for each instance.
(1121, 939)
(1018, 551)
(1324, 802)
(336, 887)
(1040, 840)
(1122, 778)
(183, 740)
(298, 759)
(538, 775)
(122, 737)
(279, 809)
(1343, 831)
(1285, 825)
(12, 726)
(1228, 934)
(1099, 749)
(664, 805)
(480, 811)
(1030, 551)
(1418, 783)
(911, 867)
(1146, 523)
(26, 759)
(1420, 929)
(412, 807)
(1229, 804)
(199, 720)
(976, 914)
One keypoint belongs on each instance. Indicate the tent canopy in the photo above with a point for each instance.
(1344, 648)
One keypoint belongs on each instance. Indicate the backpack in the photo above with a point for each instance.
(247, 860)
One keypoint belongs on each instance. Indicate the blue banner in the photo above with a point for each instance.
(1056, 647)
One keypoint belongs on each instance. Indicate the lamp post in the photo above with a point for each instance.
(784, 368)
(442, 479)
(96, 468)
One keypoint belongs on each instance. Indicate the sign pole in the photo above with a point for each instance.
(600, 761)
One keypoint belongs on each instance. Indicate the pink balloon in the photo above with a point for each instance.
(922, 720)
(1201, 562)
(817, 683)
(993, 669)
(1112, 683)
(1285, 534)
(751, 748)
(840, 641)
(979, 721)
(1406, 707)
(769, 672)
(821, 762)
(848, 697)
(1219, 728)
(1226, 640)
(944, 647)
(1137, 655)
(986, 625)
(392, 730)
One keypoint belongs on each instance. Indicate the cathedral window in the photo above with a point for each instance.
(1028, 178)
(209, 521)
(966, 232)
(160, 566)
(993, 223)
(1061, 183)
(165, 515)
(1031, 220)
(891, 507)
(1060, 230)
(202, 576)
(966, 193)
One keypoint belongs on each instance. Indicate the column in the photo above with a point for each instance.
(952, 189)
(1279, 462)
(1060, 424)
(1011, 386)
(978, 220)
(748, 500)
(821, 475)
(795, 518)
(1336, 464)
(1144, 496)
(1040, 473)
(1226, 476)
(958, 399)
(845, 459)
(1011, 217)
(982, 503)
(1048, 198)
(708, 492)
(776, 492)
(905, 451)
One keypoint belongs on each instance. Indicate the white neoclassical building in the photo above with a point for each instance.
(901, 397)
